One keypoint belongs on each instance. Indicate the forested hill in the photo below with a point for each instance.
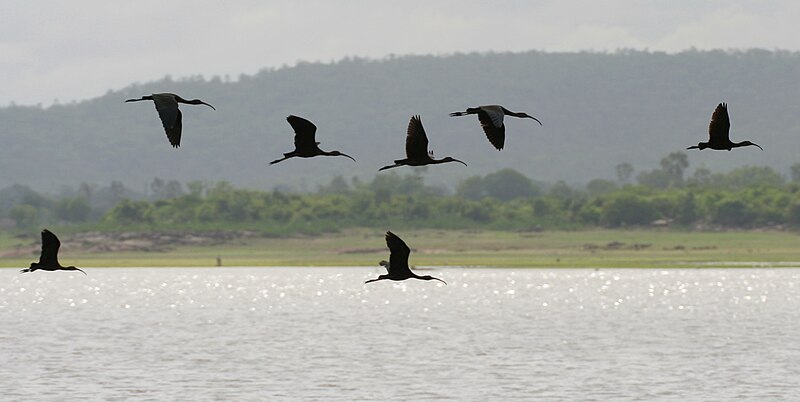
(598, 110)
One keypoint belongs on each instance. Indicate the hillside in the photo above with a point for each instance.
(598, 110)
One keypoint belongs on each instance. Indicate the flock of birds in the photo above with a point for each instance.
(417, 154)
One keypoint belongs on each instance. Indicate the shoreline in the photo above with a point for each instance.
(448, 248)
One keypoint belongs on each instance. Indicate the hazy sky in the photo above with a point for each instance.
(79, 49)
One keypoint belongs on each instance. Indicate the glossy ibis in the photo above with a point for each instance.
(167, 107)
(417, 153)
(48, 260)
(305, 145)
(491, 119)
(397, 267)
(718, 132)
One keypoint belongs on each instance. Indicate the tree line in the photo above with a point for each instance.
(745, 197)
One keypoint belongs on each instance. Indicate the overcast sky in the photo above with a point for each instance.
(74, 50)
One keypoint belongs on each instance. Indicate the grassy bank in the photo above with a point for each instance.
(365, 247)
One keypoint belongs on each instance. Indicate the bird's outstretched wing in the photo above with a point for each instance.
(174, 133)
(304, 132)
(398, 257)
(170, 115)
(492, 124)
(416, 141)
(50, 246)
(720, 125)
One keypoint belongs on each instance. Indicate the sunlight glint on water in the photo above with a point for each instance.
(255, 333)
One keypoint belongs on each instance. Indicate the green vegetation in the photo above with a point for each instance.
(745, 198)
(502, 219)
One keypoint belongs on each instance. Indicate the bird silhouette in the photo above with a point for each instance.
(305, 145)
(491, 119)
(718, 132)
(48, 260)
(167, 107)
(417, 153)
(397, 267)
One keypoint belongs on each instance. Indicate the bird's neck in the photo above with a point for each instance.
(188, 102)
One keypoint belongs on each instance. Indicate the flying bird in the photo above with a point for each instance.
(417, 153)
(167, 107)
(718, 132)
(491, 119)
(397, 267)
(48, 260)
(305, 145)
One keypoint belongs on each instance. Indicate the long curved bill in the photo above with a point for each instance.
(78, 269)
(759, 146)
(439, 280)
(461, 162)
(351, 158)
(208, 105)
(537, 120)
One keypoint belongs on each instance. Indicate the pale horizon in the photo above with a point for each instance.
(68, 52)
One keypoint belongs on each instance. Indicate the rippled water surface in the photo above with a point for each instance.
(318, 333)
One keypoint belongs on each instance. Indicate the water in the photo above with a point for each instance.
(317, 333)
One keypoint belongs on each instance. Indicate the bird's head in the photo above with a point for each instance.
(73, 268)
(451, 159)
(746, 143)
(203, 103)
(429, 278)
(338, 153)
(531, 117)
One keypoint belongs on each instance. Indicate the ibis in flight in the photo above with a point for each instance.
(167, 107)
(718, 136)
(417, 153)
(48, 260)
(491, 119)
(397, 267)
(305, 145)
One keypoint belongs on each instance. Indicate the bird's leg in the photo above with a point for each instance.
(279, 160)
(140, 99)
(379, 278)
(389, 167)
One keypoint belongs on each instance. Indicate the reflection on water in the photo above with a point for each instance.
(318, 333)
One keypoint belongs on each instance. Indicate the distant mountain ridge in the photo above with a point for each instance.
(598, 110)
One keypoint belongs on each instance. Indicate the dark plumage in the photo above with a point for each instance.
(48, 260)
(491, 119)
(397, 267)
(305, 144)
(417, 153)
(718, 132)
(167, 107)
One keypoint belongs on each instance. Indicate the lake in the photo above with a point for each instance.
(319, 333)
